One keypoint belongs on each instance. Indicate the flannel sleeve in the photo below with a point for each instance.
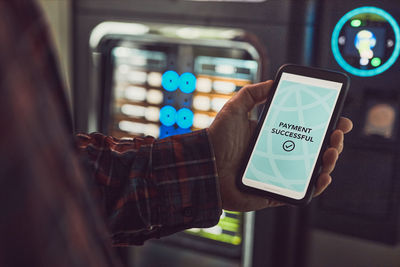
(151, 188)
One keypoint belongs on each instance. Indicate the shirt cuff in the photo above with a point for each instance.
(187, 182)
(185, 188)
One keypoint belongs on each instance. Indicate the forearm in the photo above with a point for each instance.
(151, 188)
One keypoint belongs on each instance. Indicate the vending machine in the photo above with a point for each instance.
(162, 82)
(163, 67)
(362, 38)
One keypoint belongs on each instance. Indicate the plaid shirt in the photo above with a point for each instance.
(152, 188)
(51, 213)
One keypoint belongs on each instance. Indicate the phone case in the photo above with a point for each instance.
(308, 72)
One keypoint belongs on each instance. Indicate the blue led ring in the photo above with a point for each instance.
(335, 45)
(187, 83)
(184, 118)
(170, 81)
(168, 115)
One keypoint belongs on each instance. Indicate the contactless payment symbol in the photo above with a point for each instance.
(289, 146)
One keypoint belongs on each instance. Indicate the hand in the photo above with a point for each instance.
(230, 135)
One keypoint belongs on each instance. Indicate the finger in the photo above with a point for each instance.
(324, 180)
(337, 139)
(329, 160)
(251, 95)
(345, 125)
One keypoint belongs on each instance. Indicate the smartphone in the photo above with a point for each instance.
(285, 155)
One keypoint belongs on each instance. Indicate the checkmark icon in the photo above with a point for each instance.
(289, 146)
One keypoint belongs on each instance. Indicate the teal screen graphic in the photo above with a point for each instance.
(292, 135)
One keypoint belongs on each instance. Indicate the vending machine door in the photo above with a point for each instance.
(167, 80)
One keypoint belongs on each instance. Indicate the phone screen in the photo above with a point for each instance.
(291, 137)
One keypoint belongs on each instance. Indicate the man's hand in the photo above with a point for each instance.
(230, 135)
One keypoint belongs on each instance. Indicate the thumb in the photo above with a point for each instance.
(251, 95)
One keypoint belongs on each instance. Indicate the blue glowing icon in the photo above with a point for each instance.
(185, 118)
(170, 81)
(167, 131)
(187, 83)
(168, 115)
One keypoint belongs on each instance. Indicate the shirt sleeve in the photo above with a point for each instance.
(151, 188)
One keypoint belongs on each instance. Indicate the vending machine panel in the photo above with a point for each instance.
(162, 83)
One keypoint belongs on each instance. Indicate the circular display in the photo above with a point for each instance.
(366, 41)
(184, 118)
(168, 115)
(187, 83)
(170, 81)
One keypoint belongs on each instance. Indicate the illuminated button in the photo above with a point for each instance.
(225, 69)
(204, 85)
(217, 103)
(121, 52)
(135, 93)
(137, 77)
(342, 40)
(168, 115)
(170, 81)
(185, 118)
(131, 127)
(119, 90)
(376, 62)
(152, 114)
(154, 79)
(155, 97)
(152, 130)
(123, 69)
(356, 23)
(133, 110)
(201, 121)
(202, 103)
(224, 87)
(216, 230)
(187, 83)
(137, 59)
